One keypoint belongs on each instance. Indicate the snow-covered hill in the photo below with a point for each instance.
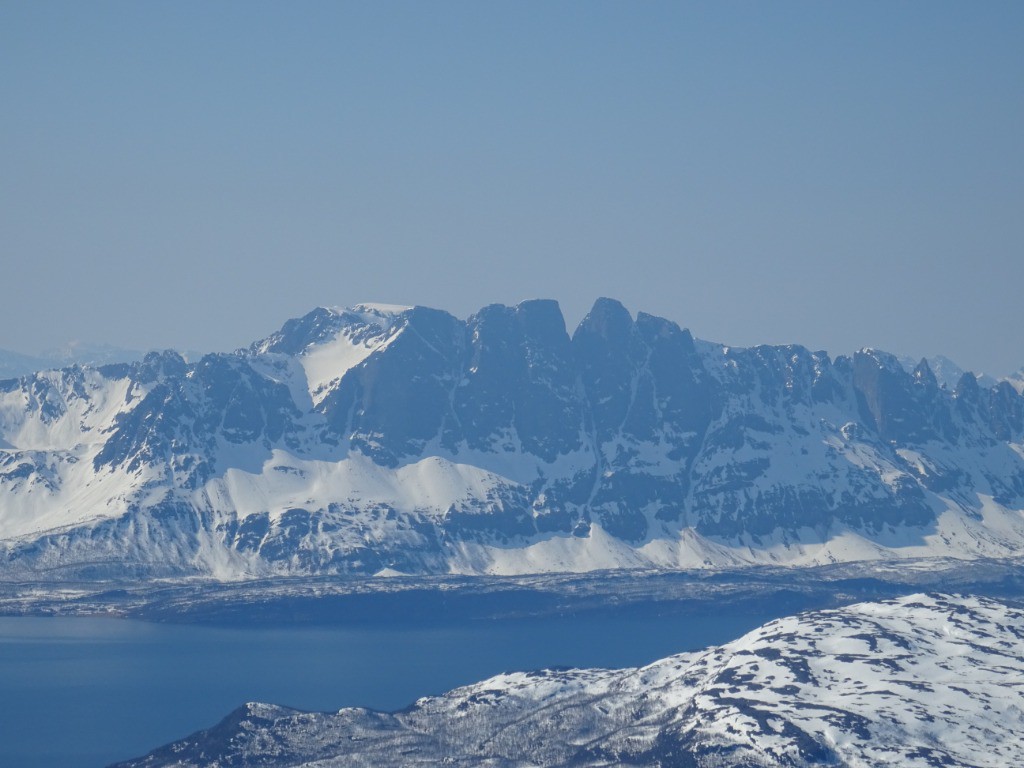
(923, 681)
(383, 439)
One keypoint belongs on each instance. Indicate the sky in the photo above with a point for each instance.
(838, 175)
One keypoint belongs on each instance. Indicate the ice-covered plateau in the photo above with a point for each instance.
(922, 681)
(382, 439)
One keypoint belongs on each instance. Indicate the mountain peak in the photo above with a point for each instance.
(378, 437)
(608, 319)
(372, 312)
(923, 374)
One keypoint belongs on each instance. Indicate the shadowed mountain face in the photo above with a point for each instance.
(404, 438)
(926, 680)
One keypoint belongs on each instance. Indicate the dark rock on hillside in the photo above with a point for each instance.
(373, 438)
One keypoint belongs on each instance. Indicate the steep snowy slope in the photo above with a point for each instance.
(378, 437)
(918, 682)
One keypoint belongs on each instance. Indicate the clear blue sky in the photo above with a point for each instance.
(834, 174)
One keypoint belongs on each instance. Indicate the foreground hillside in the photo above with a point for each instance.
(387, 439)
(926, 680)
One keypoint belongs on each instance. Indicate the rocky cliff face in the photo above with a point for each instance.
(404, 438)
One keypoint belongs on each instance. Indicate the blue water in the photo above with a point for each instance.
(85, 692)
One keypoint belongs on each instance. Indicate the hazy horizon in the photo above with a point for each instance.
(570, 323)
(836, 176)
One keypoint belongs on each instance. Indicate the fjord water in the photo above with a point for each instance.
(86, 692)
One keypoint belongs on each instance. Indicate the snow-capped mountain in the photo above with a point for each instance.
(14, 364)
(921, 681)
(947, 373)
(381, 439)
(1016, 380)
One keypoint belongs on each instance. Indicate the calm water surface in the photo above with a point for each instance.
(85, 692)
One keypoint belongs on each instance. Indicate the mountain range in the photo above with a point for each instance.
(382, 440)
(923, 681)
(15, 364)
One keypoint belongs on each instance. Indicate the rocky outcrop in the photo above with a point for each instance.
(404, 438)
